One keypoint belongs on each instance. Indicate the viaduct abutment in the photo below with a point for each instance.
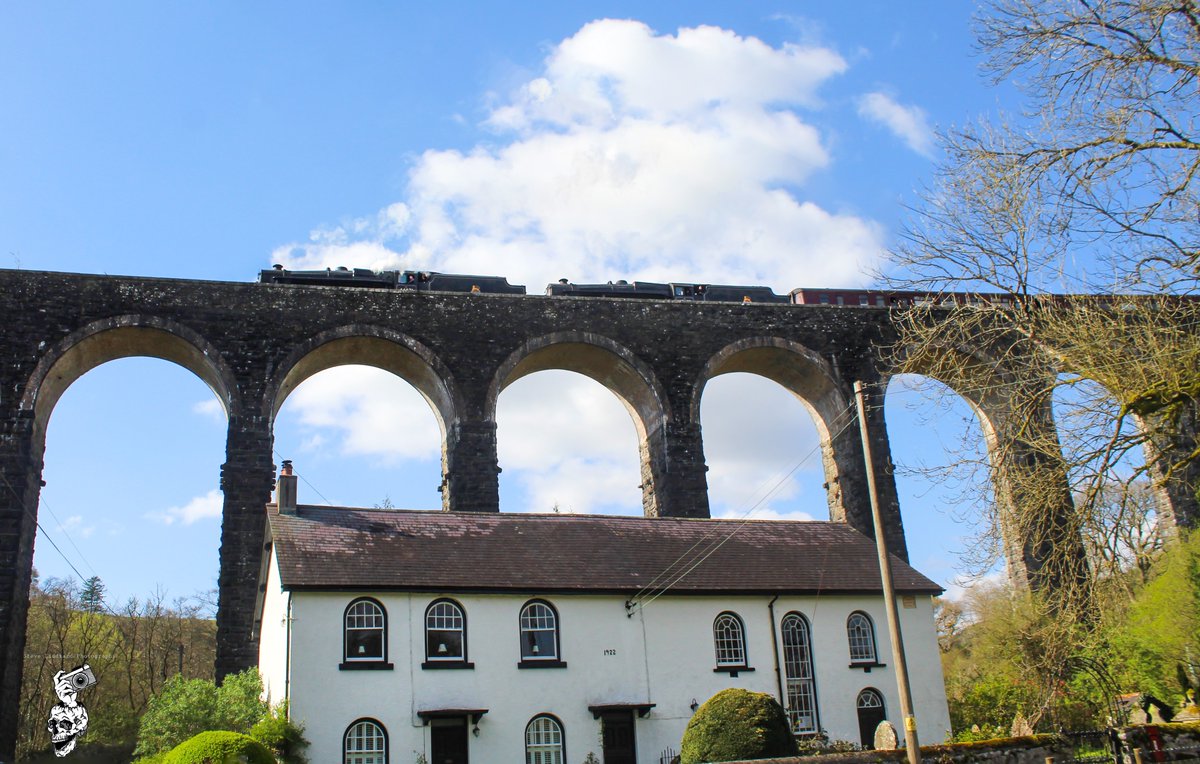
(254, 343)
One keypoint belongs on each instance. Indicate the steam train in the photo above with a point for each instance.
(432, 281)
(419, 281)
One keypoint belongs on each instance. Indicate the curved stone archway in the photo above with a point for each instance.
(815, 385)
(380, 348)
(1034, 506)
(121, 337)
(619, 371)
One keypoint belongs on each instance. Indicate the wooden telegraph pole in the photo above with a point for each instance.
(889, 592)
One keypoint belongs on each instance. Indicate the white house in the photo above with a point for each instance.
(457, 637)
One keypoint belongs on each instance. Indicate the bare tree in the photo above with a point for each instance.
(1101, 171)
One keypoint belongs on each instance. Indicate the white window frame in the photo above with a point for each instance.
(798, 669)
(729, 640)
(860, 635)
(545, 741)
(446, 622)
(538, 616)
(364, 614)
(365, 742)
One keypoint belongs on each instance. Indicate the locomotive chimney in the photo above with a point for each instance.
(285, 491)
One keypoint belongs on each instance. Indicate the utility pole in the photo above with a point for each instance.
(889, 592)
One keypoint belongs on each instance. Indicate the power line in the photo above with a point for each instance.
(279, 456)
(847, 414)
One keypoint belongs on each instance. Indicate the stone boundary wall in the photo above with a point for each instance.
(1017, 750)
(1157, 743)
(1162, 742)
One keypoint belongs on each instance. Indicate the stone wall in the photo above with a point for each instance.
(1019, 750)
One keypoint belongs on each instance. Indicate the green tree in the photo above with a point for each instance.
(132, 650)
(277, 732)
(91, 597)
(1160, 632)
(187, 707)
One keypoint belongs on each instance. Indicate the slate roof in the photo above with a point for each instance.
(336, 548)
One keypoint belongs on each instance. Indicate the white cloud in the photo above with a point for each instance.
(365, 411)
(206, 507)
(630, 155)
(909, 123)
(761, 446)
(567, 442)
(962, 587)
(210, 408)
(75, 525)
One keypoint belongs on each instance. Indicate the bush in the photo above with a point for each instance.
(218, 747)
(284, 739)
(187, 707)
(737, 724)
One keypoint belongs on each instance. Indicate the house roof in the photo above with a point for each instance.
(335, 548)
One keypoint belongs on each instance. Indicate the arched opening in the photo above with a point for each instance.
(363, 419)
(563, 442)
(763, 451)
(871, 713)
(1122, 511)
(133, 454)
(771, 415)
(567, 444)
(939, 446)
(130, 518)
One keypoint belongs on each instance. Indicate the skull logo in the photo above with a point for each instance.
(68, 718)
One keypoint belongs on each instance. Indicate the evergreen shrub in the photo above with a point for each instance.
(219, 747)
(737, 724)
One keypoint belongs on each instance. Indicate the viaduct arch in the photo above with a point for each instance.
(254, 343)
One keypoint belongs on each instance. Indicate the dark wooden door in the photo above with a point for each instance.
(870, 713)
(619, 746)
(448, 741)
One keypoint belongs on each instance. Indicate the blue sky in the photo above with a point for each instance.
(773, 143)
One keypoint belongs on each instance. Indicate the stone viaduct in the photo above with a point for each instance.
(254, 343)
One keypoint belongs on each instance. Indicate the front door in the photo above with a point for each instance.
(448, 741)
(870, 713)
(618, 737)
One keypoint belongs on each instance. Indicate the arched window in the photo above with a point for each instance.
(539, 632)
(861, 634)
(730, 641)
(365, 742)
(445, 632)
(798, 666)
(544, 741)
(366, 632)
(870, 713)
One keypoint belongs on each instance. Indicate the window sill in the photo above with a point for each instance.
(447, 665)
(365, 666)
(866, 666)
(733, 671)
(528, 664)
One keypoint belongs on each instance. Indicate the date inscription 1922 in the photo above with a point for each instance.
(610, 652)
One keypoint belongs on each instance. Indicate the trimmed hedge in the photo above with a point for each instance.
(219, 748)
(736, 725)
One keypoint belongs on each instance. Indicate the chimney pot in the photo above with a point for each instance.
(285, 491)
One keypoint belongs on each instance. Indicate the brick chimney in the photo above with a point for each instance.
(285, 490)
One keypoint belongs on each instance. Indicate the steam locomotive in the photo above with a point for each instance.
(419, 281)
(433, 281)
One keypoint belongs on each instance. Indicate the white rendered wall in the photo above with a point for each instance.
(663, 655)
(272, 644)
